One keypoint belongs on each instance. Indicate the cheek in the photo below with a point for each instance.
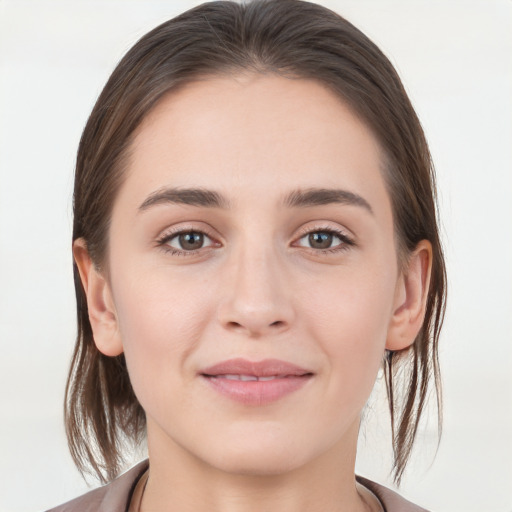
(350, 318)
(160, 325)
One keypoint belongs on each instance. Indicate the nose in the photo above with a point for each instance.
(256, 295)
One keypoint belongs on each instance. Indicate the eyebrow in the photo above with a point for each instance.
(301, 198)
(188, 196)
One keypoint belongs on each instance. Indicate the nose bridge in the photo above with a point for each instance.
(257, 297)
(256, 274)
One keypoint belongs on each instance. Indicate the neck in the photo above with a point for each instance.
(179, 481)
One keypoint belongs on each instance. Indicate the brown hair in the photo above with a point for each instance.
(294, 39)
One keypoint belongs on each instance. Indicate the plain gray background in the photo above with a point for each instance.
(455, 60)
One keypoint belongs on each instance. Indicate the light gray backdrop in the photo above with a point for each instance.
(455, 58)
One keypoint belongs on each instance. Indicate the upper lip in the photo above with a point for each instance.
(265, 368)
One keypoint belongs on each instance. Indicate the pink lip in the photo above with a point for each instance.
(287, 378)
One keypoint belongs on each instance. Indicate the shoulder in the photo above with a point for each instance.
(391, 501)
(113, 497)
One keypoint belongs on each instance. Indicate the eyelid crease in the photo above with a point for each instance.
(325, 228)
(187, 226)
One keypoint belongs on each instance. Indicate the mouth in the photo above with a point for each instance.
(255, 382)
(247, 378)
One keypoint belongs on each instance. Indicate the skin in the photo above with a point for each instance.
(256, 289)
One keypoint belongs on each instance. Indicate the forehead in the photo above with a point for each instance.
(243, 131)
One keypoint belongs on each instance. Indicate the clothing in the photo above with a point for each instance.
(116, 496)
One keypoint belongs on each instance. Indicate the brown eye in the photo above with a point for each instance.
(189, 240)
(320, 240)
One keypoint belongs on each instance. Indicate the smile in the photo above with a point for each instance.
(255, 383)
(247, 378)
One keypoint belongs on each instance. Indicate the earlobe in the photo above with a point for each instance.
(100, 304)
(411, 298)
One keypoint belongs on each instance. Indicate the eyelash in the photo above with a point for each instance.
(346, 242)
(164, 240)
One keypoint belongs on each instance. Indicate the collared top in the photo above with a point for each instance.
(116, 496)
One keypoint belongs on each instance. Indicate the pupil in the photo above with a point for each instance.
(191, 240)
(320, 240)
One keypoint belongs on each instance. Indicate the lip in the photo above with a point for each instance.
(280, 379)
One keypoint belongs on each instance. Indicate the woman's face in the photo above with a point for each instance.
(253, 226)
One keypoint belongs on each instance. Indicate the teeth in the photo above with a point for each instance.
(239, 377)
(246, 378)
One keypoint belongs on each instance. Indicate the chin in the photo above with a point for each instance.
(259, 456)
(259, 464)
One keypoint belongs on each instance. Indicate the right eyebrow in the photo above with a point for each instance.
(188, 196)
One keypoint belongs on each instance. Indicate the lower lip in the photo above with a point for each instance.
(257, 392)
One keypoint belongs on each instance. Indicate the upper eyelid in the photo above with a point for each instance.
(338, 230)
(345, 239)
(173, 231)
(335, 232)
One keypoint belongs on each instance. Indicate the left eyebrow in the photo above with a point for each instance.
(304, 198)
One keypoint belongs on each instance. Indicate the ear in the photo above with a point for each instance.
(410, 298)
(102, 313)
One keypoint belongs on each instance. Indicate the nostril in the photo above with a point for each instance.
(278, 324)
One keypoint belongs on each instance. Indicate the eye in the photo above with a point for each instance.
(185, 242)
(325, 240)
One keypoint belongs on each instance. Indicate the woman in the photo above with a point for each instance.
(254, 236)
